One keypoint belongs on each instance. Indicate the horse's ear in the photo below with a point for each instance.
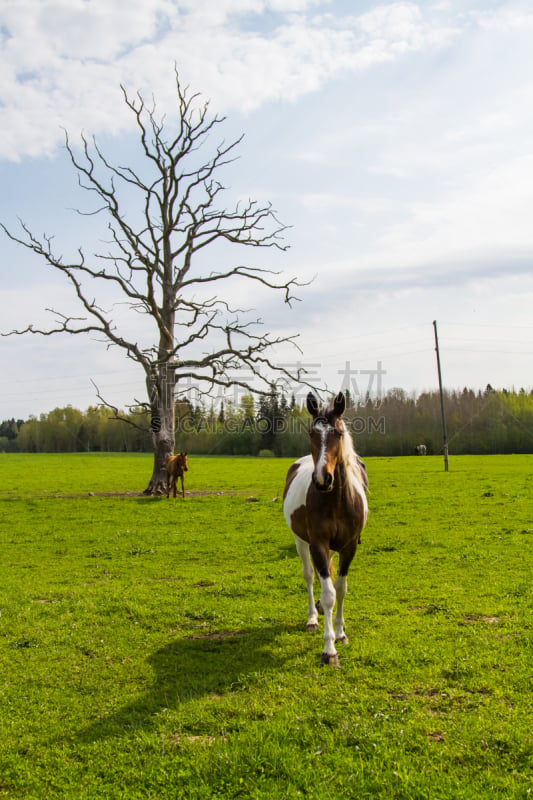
(312, 405)
(339, 405)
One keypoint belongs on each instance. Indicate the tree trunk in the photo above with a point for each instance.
(162, 424)
(163, 448)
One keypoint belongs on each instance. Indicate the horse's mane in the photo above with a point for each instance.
(353, 466)
(354, 469)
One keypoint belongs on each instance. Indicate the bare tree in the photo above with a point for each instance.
(157, 265)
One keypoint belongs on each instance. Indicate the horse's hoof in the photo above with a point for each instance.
(328, 660)
(311, 627)
(343, 639)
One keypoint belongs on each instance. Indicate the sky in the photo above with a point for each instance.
(395, 139)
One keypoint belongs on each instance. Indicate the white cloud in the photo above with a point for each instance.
(491, 217)
(63, 60)
(508, 18)
(396, 137)
(396, 21)
(99, 30)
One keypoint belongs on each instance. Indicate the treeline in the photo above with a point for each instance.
(67, 430)
(477, 423)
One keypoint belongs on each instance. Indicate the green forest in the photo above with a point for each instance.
(480, 422)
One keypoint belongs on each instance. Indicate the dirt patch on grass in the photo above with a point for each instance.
(203, 741)
(141, 495)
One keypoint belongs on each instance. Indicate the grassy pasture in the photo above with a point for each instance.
(152, 648)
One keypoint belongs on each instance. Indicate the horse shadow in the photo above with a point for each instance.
(192, 667)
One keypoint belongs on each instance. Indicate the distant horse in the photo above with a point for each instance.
(420, 450)
(176, 466)
(324, 504)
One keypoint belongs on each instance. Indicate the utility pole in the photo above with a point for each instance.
(445, 435)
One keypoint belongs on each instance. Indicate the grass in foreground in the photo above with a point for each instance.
(152, 648)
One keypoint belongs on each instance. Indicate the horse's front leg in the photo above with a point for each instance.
(309, 575)
(327, 601)
(321, 560)
(341, 587)
(182, 487)
(340, 590)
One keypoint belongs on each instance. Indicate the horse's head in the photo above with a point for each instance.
(184, 461)
(326, 432)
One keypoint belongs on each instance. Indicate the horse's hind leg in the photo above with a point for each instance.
(309, 574)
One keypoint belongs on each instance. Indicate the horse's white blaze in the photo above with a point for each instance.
(322, 428)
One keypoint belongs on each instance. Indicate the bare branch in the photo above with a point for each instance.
(117, 415)
(162, 213)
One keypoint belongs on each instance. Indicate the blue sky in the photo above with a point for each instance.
(396, 139)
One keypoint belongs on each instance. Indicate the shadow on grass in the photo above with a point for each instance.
(192, 667)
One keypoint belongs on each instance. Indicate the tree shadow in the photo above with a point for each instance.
(192, 667)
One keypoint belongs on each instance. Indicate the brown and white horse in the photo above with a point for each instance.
(176, 466)
(324, 504)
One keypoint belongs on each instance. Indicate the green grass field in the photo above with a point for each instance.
(154, 648)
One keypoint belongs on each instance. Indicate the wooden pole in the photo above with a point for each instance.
(444, 432)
